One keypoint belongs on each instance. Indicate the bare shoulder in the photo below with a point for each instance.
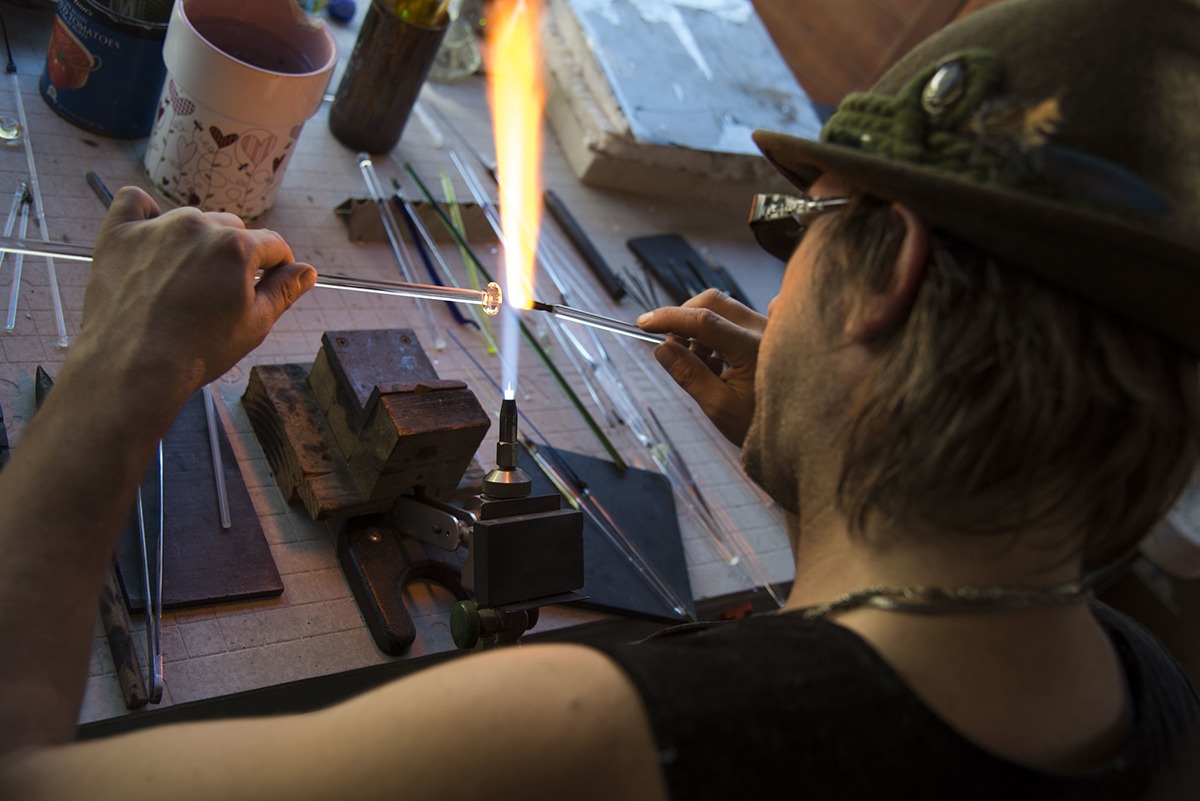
(529, 722)
(545, 721)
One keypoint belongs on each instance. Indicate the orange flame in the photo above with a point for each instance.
(517, 96)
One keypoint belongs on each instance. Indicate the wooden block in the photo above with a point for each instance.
(322, 382)
(338, 495)
(367, 422)
(284, 414)
(298, 444)
(364, 225)
(426, 438)
(332, 401)
(359, 360)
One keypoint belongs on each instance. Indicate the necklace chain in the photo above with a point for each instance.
(942, 600)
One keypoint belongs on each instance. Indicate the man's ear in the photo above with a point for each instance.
(883, 310)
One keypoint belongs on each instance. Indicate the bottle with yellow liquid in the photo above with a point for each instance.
(459, 54)
(395, 48)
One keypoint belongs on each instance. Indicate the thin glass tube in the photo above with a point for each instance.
(40, 216)
(19, 203)
(621, 327)
(490, 298)
(214, 443)
(392, 229)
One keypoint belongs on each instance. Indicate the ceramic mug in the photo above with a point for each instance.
(242, 79)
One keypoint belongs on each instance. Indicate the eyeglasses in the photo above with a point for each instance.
(779, 221)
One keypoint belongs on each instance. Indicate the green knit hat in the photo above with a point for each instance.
(1061, 136)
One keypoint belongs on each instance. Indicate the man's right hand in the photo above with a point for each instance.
(712, 354)
(176, 294)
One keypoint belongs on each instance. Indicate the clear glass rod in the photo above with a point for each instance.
(490, 297)
(574, 315)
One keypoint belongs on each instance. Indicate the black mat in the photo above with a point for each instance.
(202, 562)
(642, 504)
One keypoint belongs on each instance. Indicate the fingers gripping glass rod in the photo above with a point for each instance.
(489, 297)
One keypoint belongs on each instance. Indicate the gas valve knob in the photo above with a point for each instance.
(464, 624)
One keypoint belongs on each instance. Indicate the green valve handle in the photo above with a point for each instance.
(464, 624)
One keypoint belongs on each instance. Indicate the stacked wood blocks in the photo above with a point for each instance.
(367, 423)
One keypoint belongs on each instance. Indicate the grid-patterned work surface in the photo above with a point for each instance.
(314, 628)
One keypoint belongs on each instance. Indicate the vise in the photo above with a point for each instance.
(371, 436)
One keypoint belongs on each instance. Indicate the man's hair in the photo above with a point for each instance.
(1002, 404)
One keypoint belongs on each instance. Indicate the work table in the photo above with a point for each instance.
(314, 628)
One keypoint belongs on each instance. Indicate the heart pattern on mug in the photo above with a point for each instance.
(222, 140)
(182, 105)
(216, 164)
(256, 147)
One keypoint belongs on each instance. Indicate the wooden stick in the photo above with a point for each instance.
(120, 642)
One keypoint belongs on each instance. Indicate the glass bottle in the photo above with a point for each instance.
(459, 54)
(395, 49)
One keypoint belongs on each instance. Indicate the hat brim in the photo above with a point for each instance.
(1107, 259)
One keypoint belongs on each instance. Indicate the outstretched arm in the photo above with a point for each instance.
(713, 355)
(171, 304)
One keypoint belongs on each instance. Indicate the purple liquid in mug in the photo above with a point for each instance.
(253, 45)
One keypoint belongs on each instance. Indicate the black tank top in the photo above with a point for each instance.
(743, 709)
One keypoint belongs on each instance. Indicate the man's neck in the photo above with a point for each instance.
(831, 561)
(1039, 685)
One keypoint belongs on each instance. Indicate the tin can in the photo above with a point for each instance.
(104, 71)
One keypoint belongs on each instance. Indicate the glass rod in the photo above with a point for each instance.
(489, 298)
(597, 321)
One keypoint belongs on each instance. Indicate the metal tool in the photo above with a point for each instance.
(98, 186)
(522, 552)
(580, 498)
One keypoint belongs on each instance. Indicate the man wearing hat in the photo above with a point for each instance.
(976, 389)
